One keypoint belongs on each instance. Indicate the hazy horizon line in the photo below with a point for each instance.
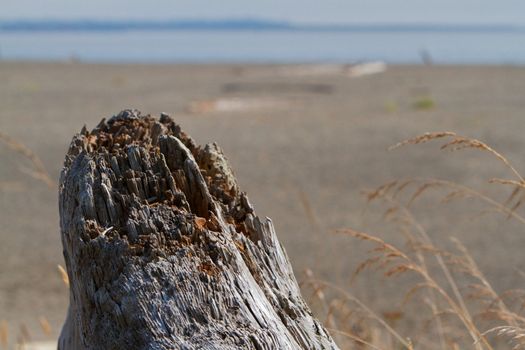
(239, 24)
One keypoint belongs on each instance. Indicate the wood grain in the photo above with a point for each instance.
(164, 251)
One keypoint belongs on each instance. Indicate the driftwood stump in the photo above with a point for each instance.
(163, 251)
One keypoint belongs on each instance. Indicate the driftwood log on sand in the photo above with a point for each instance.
(163, 251)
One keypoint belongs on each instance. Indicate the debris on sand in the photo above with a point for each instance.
(237, 104)
(350, 70)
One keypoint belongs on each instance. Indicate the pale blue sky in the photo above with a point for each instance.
(310, 11)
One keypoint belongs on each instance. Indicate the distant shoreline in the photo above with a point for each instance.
(260, 42)
(242, 25)
(247, 64)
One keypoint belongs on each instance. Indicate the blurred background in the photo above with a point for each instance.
(304, 97)
(270, 32)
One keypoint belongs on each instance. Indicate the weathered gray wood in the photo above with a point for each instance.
(163, 251)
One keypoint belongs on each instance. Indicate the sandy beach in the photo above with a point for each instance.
(303, 143)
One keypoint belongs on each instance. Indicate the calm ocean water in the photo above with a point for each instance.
(266, 46)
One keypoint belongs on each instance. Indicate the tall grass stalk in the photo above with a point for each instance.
(485, 316)
(38, 170)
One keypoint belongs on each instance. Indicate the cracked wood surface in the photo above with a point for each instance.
(163, 250)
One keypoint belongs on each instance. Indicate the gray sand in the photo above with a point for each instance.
(304, 141)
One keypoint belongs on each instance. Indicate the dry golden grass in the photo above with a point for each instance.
(37, 170)
(4, 334)
(63, 275)
(46, 327)
(449, 303)
(457, 142)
